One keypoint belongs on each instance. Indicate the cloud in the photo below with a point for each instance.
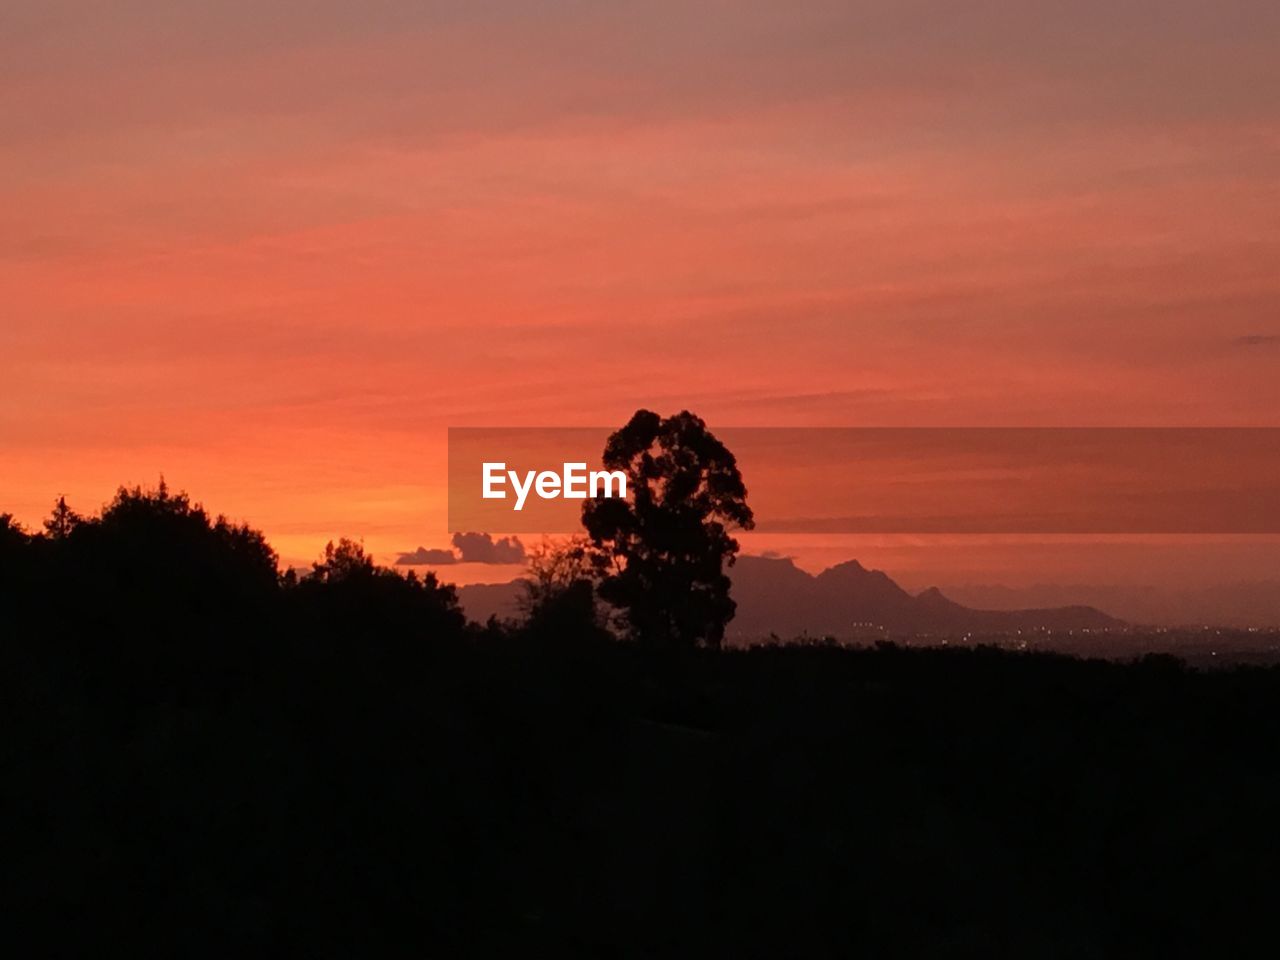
(423, 556)
(1259, 340)
(468, 548)
(482, 548)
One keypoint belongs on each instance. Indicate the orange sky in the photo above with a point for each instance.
(274, 250)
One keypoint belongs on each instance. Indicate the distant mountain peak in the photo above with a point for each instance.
(933, 593)
(850, 565)
(846, 598)
(774, 596)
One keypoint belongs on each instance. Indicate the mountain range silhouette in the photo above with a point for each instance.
(775, 597)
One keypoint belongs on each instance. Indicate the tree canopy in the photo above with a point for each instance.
(662, 551)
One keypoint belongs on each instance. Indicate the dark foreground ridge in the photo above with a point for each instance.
(342, 792)
(207, 759)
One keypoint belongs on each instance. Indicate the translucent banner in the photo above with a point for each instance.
(905, 480)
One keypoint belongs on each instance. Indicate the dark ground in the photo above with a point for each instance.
(354, 795)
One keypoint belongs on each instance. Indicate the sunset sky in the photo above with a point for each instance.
(273, 250)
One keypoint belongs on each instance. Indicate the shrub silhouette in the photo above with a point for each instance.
(663, 550)
(348, 591)
(558, 599)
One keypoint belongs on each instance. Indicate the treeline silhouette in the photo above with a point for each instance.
(205, 757)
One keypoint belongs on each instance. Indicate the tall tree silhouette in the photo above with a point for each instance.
(663, 550)
(62, 521)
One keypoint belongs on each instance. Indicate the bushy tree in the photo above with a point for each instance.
(153, 564)
(662, 551)
(12, 534)
(350, 592)
(558, 599)
(15, 558)
(343, 561)
(164, 537)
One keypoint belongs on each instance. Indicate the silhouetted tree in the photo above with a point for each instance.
(62, 521)
(558, 598)
(346, 590)
(12, 535)
(343, 561)
(154, 555)
(14, 556)
(168, 530)
(663, 550)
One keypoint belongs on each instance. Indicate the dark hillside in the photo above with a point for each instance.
(345, 793)
(202, 759)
